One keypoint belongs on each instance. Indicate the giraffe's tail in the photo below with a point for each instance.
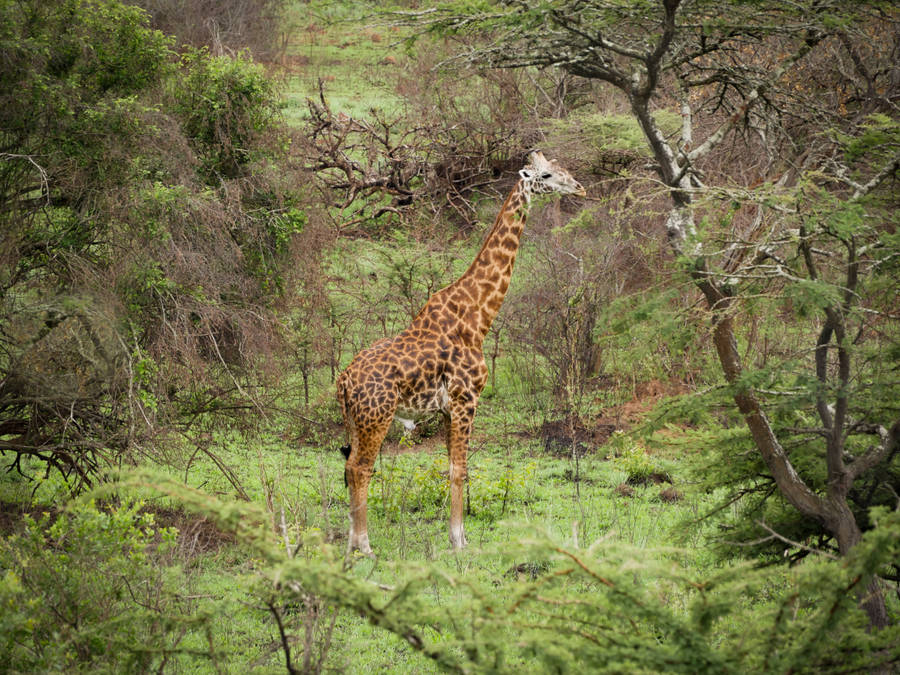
(348, 421)
(345, 451)
(341, 391)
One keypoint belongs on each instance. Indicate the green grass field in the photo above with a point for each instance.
(292, 473)
(351, 53)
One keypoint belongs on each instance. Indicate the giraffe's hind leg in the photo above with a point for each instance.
(358, 472)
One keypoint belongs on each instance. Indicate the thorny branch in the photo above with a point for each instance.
(381, 166)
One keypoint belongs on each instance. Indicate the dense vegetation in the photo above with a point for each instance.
(687, 457)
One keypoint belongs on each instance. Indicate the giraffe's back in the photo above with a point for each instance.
(407, 375)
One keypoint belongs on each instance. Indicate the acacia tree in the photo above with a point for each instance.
(778, 182)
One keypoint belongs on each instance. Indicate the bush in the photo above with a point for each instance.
(226, 104)
(143, 224)
(86, 590)
(222, 25)
(633, 460)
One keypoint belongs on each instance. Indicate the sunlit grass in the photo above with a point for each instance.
(350, 54)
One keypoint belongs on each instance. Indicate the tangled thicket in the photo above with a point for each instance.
(145, 228)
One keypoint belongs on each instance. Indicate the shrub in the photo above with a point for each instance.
(222, 25)
(226, 104)
(86, 590)
(141, 224)
(632, 459)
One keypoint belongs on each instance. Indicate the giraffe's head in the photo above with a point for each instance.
(542, 175)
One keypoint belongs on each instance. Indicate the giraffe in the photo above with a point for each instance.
(436, 364)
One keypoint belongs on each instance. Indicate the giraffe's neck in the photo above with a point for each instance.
(469, 305)
(498, 252)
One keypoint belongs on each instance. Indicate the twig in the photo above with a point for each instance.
(285, 644)
(774, 535)
(45, 183)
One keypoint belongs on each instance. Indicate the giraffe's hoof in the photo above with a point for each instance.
(457, 539)
(360, 545)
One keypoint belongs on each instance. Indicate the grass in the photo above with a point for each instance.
(407, 520)
(515, 491)
(349, 52)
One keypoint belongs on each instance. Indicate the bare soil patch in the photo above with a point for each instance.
(12, 515)
(196, 534)
(562, 437)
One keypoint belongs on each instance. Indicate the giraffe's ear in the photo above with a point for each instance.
(525, 173)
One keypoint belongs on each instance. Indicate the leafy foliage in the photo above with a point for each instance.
(160, 252)
(143, 225)
(607, 606)
(226, 104)
(84, 591)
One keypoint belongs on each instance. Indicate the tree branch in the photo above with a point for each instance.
(751, 99)
(864, 189)
(654, 59)
(890, 442)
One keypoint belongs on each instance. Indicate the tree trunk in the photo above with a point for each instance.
(847, 533)
(834, 513)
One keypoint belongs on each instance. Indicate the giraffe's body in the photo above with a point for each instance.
(436, 364)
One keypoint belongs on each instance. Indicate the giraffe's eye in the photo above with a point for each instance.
(545, 176)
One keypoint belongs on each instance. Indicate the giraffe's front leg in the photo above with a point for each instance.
(460, 426)
(368, 436)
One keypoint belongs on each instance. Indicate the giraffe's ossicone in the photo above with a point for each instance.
(436, 364)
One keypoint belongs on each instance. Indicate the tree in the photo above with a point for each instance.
(784, 190)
